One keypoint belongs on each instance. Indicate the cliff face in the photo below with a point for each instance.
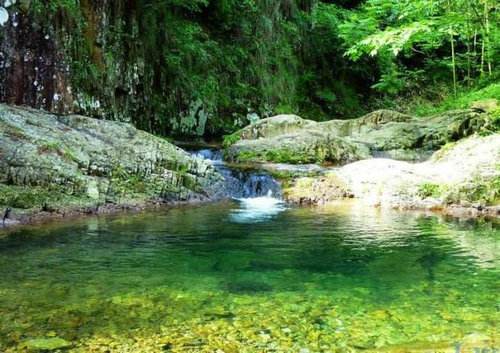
(60, 58)
(33, 67)
(167, 66)
(143, 63)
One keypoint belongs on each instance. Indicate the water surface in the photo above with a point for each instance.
(226, 278)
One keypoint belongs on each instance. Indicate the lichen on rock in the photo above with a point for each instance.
(93, 161)
(291, 139)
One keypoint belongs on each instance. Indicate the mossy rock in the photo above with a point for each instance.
(317, 190)
(307, 148)
(291, 139)
(53, 160)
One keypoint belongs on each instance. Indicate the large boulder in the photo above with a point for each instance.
(275, 126)
(290, 139)
(47, 161)
(463, 173)
(309, 146)
(421, 133)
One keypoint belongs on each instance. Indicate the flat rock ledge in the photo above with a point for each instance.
(61, 165)
(382, 133)
(461, 179)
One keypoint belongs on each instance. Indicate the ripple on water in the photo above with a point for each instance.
(197, 279)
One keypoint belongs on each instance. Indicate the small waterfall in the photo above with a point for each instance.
(242, 184)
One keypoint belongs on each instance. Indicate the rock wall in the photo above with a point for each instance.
(52, 162)
(78, 57)
(33, 67)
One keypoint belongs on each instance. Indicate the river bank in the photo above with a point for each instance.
(56, 167)
(60, 165)
(447, 163)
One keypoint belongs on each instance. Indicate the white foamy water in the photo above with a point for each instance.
(257, 209)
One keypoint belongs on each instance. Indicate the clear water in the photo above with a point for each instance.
(240, 183)
(224, 278)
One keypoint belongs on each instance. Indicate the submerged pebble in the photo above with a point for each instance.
(46, 344)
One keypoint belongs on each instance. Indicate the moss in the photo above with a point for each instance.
(463, 100)
(426, 190)
(492, 124)
(59, 149)
(316, 190)
(13, 132)
(37, 197)
(485, 191)
(293, 157)
(122, 184)
(230, 140)
(46, 344)
(280, 156)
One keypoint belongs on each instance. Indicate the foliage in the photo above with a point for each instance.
(203, 67)
(429, 190)
(457, 39)
(462, 100)
(231, 139)
(485, 191)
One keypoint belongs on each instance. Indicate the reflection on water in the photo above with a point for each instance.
(202, 279)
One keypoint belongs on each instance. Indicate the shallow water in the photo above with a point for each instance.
(226, 278)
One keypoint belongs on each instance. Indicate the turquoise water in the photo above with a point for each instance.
(219, 278)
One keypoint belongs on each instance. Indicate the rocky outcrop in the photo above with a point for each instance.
(462, 174)
(290, 139)
(48, 162)
(309, 146)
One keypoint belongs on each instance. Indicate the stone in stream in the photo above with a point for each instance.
(291, 139)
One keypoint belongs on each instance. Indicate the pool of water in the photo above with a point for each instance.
(230, 277)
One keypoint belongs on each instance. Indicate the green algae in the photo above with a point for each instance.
(46, 344)
(310, 280)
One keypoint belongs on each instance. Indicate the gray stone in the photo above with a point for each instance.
(100, 160)
(291, 139)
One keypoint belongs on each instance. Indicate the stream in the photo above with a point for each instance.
(251, 275)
